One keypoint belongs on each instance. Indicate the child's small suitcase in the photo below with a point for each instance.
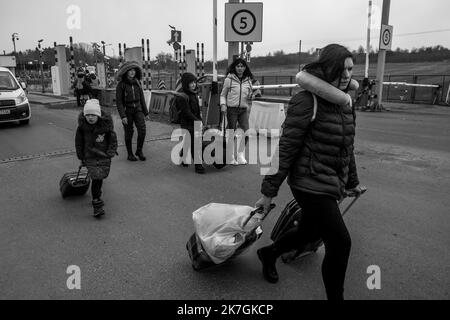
(291, 217)
(75, 183)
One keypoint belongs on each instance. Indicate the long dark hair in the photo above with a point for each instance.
(330, 63)
(232, 68)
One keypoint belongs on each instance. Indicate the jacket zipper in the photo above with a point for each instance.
(240, 93)
(134, 98)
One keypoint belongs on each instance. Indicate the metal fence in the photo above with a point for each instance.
(397, 93)
(392, 93)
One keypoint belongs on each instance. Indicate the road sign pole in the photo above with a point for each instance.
(215, 41)
(382, 55)
(233, 47)
(369, 22)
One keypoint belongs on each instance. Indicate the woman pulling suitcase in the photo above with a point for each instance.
(317, 157)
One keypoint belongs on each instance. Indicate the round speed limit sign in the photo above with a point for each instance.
(243, 22)
(386, 37)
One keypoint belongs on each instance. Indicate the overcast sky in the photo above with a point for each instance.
(285, 22)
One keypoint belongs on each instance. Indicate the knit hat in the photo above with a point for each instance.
(92, 106)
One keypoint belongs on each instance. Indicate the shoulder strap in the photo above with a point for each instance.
(314, 107)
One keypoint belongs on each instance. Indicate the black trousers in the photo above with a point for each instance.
(135, 118)
(96, 188)
(196, 158)
(321, 219)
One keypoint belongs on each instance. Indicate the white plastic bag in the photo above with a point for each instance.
(220, 228)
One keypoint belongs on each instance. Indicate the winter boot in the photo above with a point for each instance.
(140, 145)
(199, 169)
(241, 158)
(140, 155)
(268, 259)
(98, 204)
(129, 145)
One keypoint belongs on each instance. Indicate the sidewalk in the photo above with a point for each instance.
(49, 99)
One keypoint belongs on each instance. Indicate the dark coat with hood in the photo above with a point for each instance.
(129, 93)
(316, 156)
(96, 144)
(188, 104)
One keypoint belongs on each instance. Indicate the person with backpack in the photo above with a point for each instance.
(80, 86)
(188, 106)
(235, 99)
(96, 145)
(318, 158)
(132, 107)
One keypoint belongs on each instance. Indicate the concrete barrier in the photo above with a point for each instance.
(267, 115)
(159, 101)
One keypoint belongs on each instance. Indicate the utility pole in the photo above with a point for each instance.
(366, 73)
(299, 53)
(382, 55)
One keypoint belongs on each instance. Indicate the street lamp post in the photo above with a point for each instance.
(40, 65)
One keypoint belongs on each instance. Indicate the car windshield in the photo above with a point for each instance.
(7, 81)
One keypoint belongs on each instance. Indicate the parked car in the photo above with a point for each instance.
(14, 105)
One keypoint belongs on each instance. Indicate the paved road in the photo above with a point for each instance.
(137, 251)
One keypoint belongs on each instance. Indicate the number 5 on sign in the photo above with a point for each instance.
(243, 22)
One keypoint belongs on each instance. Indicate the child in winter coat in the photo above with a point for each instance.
(96, 144)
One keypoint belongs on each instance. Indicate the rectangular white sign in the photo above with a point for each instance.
(243, 22)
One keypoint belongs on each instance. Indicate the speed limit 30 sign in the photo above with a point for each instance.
(243, 22)
(386, 37)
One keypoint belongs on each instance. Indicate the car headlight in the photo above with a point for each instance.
(20, 99)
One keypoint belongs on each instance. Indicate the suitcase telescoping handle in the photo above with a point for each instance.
(78, 173)
(258, 210)
(353, 195)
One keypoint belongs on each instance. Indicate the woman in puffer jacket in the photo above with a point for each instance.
(132, 107)
(235, 98)
(318, 159)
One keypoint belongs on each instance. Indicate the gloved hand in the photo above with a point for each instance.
(264, 202)
(356, 191)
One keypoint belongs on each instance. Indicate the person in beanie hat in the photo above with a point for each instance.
(131, 106)
(188, 104)
(96, 145)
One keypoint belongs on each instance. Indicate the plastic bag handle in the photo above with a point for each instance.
(258, 210)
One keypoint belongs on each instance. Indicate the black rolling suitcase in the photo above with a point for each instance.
(74, 183)
(291, 217)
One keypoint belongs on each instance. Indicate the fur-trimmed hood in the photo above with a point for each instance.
(104, 124)
(128, 66)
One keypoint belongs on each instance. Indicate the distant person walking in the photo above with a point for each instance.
(188, 104)
(235, 99)
(96, 145)
(318, 159)
(131, 106)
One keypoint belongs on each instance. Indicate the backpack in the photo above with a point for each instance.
(79, 84)
(174, 111)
